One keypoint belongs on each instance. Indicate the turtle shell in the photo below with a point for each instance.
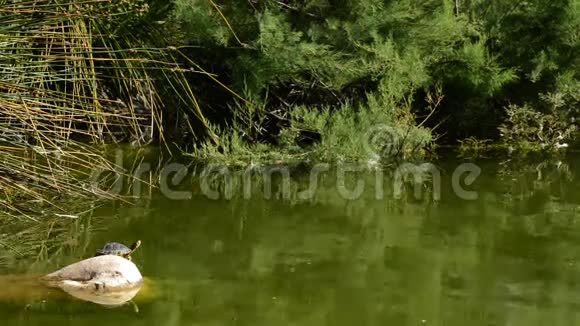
(114, 248)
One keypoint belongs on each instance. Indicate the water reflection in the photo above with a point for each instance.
(109, 299)
(509, 257)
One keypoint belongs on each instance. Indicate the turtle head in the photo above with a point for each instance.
(133, 247)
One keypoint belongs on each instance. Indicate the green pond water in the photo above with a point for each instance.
(511, 256)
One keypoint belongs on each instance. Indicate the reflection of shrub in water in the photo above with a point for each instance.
(540, 181)
(47, 200)
(297, 184)
(27, 242)
(32, 178)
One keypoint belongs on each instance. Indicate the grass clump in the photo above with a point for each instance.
(79, 72)
(374, 133)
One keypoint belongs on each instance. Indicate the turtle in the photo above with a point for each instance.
(118, 249)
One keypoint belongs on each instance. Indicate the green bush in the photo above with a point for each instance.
(318, 55)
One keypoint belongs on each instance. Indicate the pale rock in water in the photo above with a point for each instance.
(101, 274)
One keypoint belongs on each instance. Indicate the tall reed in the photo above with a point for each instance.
(74, 72)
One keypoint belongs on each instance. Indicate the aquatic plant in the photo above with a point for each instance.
(79, 72)
(90, 69)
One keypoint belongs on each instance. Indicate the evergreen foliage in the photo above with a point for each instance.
(374, 59)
